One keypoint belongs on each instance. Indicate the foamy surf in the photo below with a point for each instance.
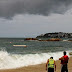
(9, 61)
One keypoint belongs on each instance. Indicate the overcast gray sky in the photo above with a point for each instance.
(29, 18)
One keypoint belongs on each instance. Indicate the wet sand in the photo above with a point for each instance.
(39, 68)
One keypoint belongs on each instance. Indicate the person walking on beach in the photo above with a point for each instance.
(50, 65)
(64, 61)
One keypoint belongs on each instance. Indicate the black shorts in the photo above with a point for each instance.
(64, 68)
(50, 69)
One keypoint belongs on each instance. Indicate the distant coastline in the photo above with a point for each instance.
(56, 36)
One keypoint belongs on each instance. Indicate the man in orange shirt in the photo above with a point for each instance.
(64, 61)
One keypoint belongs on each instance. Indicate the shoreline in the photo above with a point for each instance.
(39, 67)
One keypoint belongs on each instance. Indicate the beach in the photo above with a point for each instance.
(38, 68)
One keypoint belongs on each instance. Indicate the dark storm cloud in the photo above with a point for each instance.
(9, 8)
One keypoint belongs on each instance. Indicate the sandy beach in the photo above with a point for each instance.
(38, 68)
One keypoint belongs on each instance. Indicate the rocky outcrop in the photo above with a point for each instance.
(55, 35)
(30, 39)
(52, 39)
(70, 53)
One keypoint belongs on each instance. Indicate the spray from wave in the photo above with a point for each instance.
(17, 60)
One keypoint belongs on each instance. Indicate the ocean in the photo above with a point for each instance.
(36, 52)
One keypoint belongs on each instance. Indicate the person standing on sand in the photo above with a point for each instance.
(64, 61)
(50, 65)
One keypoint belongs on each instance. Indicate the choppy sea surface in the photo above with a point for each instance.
(36, 52)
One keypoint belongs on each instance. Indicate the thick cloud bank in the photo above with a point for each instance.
(9, 8)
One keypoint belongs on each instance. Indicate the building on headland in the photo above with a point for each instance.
(55, 35)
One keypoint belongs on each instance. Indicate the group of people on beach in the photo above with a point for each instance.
(51, 65)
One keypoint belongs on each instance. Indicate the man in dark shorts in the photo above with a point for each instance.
(64, 61)
(50, 65)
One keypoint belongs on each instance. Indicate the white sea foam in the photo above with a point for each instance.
(14, 60)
